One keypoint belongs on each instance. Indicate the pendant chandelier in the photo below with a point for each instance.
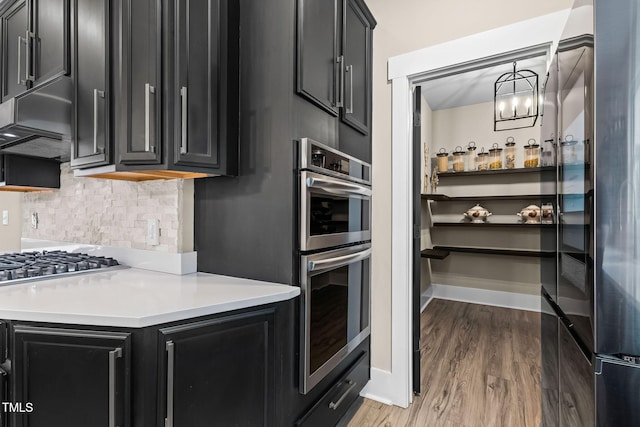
(515, 100)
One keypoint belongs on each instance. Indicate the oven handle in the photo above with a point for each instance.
(337, 261)
(335, 186)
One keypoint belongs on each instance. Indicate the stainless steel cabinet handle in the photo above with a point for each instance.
(350, 71)
(96, 93)
(20, 42)
(27, 60)
(148, 90)
(170, 346)
(334, 405)
(329, 185)
(113, 355)
(183, 141)
(338, 261)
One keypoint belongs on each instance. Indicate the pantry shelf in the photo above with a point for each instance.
(494, 251)
(444, 197)
(498, 171)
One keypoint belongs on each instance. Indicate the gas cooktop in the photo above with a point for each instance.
(27, 266)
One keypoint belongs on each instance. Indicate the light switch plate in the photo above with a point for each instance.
(5, 217)
(153, 232)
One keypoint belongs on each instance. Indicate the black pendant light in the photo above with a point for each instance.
(515, 100)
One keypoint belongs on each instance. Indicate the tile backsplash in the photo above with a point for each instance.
(112, 212)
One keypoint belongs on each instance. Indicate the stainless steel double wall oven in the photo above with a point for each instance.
(335, 253)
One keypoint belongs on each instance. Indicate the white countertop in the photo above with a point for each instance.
(135, 298)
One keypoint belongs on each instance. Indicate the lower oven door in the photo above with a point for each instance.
(335, 310)
(333, 212)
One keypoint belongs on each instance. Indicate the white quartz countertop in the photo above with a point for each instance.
(135, 298)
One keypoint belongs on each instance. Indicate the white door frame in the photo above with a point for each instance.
(403, 71)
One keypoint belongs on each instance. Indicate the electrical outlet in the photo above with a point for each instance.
(34, 220)
(5, 217)
(153, 232)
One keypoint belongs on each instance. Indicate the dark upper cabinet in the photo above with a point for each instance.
(174, 70)
(201, 60)
(91, 130)
(219, 370)
(73, 378)
(14, 50)
(356, 48)
(334, 63)
(318, 62)
(138, 80)
(35, 44)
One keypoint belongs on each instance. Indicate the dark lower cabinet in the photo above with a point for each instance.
(69, 377)
(219, 371)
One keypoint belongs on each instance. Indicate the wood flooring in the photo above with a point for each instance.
(480, 367)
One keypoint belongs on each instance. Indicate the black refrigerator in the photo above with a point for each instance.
(591, 289)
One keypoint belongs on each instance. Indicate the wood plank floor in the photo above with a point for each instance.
(480, 367)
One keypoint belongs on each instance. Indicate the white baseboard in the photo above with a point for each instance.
(426, 298)
(379, 387)
(486, 297)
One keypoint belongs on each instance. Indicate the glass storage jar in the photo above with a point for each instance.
(510, 153)
(483, 160)
(531, 154)
(318, 157)
(443, 160)
(471, 156)
(458, 159)
(495, 157)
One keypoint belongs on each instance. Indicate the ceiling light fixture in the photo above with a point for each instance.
(515, 101)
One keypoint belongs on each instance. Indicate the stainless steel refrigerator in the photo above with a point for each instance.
(591, 290)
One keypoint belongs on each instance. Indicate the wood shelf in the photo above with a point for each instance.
(434, 253)
(498, 171)
(489, 223)
(494, 251)
(445, 198)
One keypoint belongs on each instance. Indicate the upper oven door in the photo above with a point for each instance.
(333, 212)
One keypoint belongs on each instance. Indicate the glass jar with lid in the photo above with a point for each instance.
(510, 153)
(471, 156)
(483, 160)
(531, 154)
(495, 157)
(458, 159)
(443, 160)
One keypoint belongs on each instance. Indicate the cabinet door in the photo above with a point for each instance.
(318, 63)
(15, 78)
(356, 47)
(220, 369)
(198, 40)
(91, 128)
(50, 39)
(138, 114)
(73, 378)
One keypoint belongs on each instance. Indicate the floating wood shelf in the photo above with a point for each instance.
(498, 171)
(488, 223)
(493, 251)
(434, 253)
(444, 197)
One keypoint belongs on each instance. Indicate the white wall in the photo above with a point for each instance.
(10, 234)
(405, 26)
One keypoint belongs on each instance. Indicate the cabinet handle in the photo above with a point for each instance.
(350, 71)
(31, 57)
(168, 421)
(183, 141)
(148, 90)
(334, 405)
(27, 61)
(340, 98)
(113, 355)
(20, 42)
(96, 93)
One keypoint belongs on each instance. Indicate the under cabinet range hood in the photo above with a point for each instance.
(37, 122)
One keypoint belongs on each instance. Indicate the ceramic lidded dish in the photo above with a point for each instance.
(530, 214)
(477, 214)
